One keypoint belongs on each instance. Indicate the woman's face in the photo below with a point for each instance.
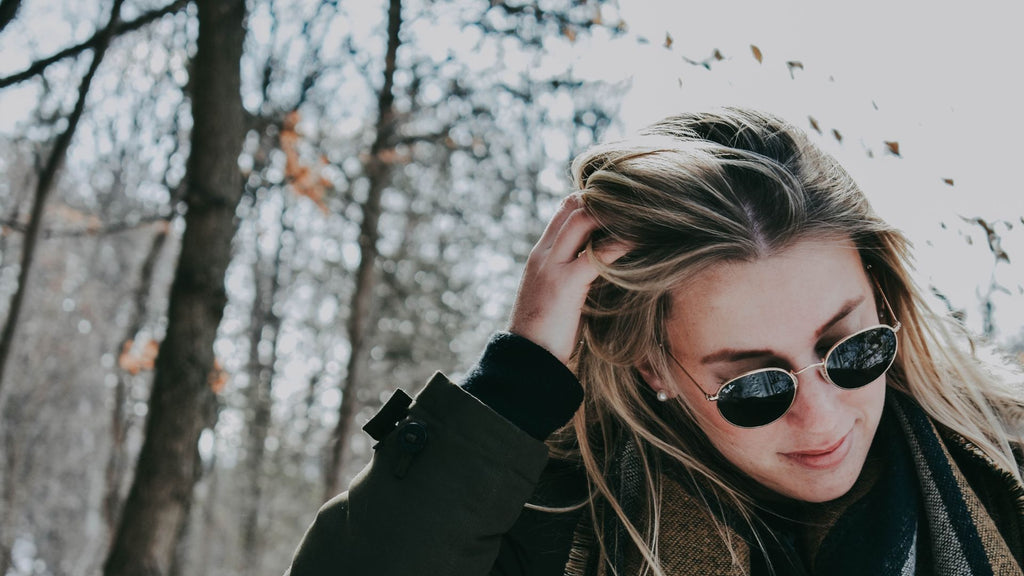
(782, 311)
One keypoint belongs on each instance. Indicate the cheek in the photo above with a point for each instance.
(749, 449)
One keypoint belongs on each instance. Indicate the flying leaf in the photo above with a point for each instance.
(838, 136)
(570, 33)
(717, 55)
(948, 181)
(794, 65)
(995, 242)
(894, 147)
(668, 40)
(814, 124)
(757, 53)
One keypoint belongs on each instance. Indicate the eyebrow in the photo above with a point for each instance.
(733, 355)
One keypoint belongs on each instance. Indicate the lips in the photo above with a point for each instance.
(823, 458)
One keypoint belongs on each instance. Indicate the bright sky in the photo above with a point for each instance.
(942, 78)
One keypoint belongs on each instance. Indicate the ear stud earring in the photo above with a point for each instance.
(662, 396)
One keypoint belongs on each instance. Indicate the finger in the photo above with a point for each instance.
(612, 251)
(573, 236)
(565, 209)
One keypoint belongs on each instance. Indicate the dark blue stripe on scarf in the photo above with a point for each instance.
(959, 516)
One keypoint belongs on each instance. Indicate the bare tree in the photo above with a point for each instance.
(378, 173)
(118, 419)
(265, 326)
(45, 184)
(161, 493)
(92, 43)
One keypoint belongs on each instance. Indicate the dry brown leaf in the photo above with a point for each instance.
(894, 147)
(717, 54)
(948, 181)
(134, 359)
(757, 53)
(668, 40)
(837, 134)
(392, 156)
(569, 33)
(305, 180)
(291, 120)
(125, 360)
(814, 124)
(218, 378)
(76, 218)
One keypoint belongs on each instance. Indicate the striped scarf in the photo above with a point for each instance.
(928, 503)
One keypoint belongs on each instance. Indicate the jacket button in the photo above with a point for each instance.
(412, 436)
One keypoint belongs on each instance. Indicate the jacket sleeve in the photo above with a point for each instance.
(439, 496)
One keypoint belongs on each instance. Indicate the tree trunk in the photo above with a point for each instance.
(159, 499)
(119, 421)
(210, 533)
(378, 173)
(7, 504)
(47, 178)
(261, 377)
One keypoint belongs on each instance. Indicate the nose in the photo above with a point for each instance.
(817, 401)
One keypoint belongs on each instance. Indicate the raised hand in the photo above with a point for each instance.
(557, 277)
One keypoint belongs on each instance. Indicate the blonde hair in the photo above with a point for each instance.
(696, 190)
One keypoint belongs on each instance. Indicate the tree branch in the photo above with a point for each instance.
(45, 184)
(92, 43)
(8, 10)
(112, 228)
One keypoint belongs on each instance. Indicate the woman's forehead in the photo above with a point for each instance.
(796, 290)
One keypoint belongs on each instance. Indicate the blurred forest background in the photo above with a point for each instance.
(231, 229)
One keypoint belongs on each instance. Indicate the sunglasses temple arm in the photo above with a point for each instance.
(888, 308)
(709, 397)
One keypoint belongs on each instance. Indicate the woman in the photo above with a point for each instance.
(752, 384)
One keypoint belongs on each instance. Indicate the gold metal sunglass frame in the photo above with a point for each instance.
(793, 374)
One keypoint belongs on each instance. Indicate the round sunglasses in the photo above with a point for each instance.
(760, 397)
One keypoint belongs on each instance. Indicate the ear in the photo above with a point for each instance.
(650, 376)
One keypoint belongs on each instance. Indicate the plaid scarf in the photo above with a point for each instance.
(928, 503)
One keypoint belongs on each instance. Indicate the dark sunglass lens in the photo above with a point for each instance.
(756, 399)
(862, 358)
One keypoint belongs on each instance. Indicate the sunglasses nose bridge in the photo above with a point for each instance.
(819, 365)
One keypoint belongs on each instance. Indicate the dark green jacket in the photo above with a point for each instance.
(444, 495)
(445, 491)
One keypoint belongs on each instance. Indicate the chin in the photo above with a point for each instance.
(823, 486)
(819, 494)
